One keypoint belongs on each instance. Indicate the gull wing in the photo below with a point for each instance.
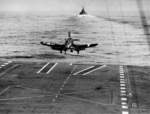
(84, 46)
(54, 46)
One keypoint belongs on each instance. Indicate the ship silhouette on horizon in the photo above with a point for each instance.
(83, 12)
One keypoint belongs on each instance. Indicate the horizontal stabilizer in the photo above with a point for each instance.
(76, 39)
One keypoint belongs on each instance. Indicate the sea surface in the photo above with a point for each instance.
(121, 39)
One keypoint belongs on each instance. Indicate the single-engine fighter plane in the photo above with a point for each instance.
(68, 45)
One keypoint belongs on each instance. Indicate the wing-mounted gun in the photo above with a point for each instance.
(47, 43)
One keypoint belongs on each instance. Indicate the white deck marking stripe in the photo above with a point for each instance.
(123, 94)
(125, 112)
(8, 69)
(124, 107)
(121, 73)
(122, 81)
(123, 99)
(121, 76)
(5, 90)
(124, 103)
(83, 70)
(122, 88)
(52, 68)
(122, 84)
(123, 91)
(42, 68)
(94, 69)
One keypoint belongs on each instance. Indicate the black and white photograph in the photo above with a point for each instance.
(74, 57)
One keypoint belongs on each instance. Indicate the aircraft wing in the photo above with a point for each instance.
(54, 46)
(82, 47)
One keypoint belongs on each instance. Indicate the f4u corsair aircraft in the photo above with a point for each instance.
(68, 45)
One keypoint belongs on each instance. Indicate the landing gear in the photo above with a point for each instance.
(78, 51)
(60, 51)
(65, 51)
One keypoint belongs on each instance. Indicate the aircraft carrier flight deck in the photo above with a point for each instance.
(69, 88)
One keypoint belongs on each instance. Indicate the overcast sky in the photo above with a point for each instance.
(25, 5)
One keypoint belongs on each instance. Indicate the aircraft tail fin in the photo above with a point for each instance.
(69, 34)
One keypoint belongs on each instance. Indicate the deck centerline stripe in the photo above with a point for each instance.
(43, 67)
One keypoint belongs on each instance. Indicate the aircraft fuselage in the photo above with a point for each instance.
(69, 43)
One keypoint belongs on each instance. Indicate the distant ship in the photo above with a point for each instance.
(83, 12)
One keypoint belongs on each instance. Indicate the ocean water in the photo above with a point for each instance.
(120, 40)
